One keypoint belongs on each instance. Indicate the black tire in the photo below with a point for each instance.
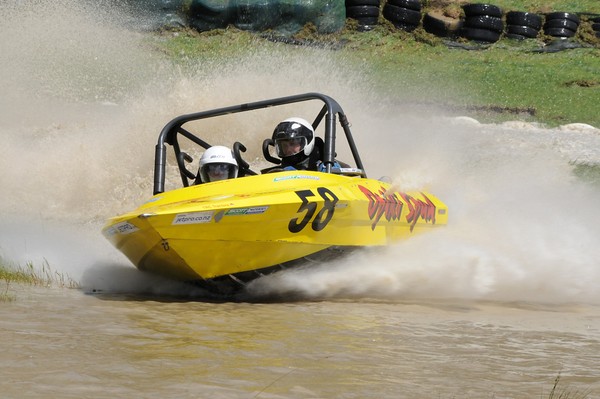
(472, 10)
(367, 21)
(563, 15)
(559, 32)
(480, 35)
(205, 18)
(561, 23)
(440, 25)
(405, 27)
(410, 4)
(354, 3)
(400, 15)
(521, 18)
(522, 31)
(516, 36)
(485, 22)
(362, 11)
(596, 27)
(434, 29)
(365, 28)
(595, 19)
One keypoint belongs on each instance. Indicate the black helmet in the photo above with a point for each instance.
(294, 140)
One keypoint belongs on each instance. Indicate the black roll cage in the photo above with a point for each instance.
(169, 134)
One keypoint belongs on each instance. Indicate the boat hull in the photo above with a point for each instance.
(241, 226)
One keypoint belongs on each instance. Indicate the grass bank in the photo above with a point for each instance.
(508, 80)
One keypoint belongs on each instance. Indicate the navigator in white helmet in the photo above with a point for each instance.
(217, 163)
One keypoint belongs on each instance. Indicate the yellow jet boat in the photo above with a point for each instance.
(224, 234)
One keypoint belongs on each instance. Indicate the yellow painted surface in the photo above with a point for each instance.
(253, 222)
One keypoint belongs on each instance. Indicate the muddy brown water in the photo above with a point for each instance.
(65, 343)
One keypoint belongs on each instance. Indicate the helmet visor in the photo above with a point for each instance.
(287, 147)
(218, 171)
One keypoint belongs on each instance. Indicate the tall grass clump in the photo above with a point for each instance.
(30, 275)
(565, 393)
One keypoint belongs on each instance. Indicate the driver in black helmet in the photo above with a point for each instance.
(294, 141)
(297, 147)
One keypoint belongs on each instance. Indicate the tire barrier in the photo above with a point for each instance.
(561, 24)
(365, 12)
(483, 23)
(522, 25)
(205, 16)
(283, 16)
(403, 14)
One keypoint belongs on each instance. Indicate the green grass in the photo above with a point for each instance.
(589, 173)
(553, 88)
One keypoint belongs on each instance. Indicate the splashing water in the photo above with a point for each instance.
(85, 100)
(521, 227)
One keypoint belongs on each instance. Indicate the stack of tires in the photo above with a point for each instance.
(483, 23)
(365, 12)
(404, 14)
(522, 25)
(283, 16)
(596, 26)
(561, 24)
(204, 16)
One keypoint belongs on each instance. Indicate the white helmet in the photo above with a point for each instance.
(217, 163)
(294, 130)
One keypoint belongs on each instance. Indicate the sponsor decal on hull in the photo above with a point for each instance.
(193, 217)
(297, 177)
(247, 211)
(121, 228)
(390, 205)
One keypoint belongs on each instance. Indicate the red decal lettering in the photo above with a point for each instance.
(419, 209)
(382, 204)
